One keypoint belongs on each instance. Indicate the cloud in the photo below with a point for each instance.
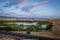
(40, 12)
(27, 8)
(22, 0)
(34, 10)
(39, 3)
(14, 2)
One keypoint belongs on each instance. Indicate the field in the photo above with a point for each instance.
(47, 32)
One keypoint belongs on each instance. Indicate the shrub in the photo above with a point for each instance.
(28, 32)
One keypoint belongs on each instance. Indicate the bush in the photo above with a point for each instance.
(7, 28)
(31, 28)
(28, 32)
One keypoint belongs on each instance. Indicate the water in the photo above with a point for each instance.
(44, 26)
(24, 23)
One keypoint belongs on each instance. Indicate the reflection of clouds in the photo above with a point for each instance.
(44, 26)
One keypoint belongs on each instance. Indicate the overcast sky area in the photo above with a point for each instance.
(30, 8)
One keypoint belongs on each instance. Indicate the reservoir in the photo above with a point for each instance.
(24, 23)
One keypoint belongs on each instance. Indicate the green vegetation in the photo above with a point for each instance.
(16, 27)
(31, 28)
(28, 32)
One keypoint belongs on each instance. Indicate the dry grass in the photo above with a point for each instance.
(5, 37)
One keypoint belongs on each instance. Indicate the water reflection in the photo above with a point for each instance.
(24, 23)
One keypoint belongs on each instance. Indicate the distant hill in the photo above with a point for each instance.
(16, 17)
(6, 17)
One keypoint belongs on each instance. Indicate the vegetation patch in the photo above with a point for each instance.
(40, 26)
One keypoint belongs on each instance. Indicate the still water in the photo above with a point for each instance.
(24, 23)
(28, 24)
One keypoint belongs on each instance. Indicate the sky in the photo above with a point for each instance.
(30, 8)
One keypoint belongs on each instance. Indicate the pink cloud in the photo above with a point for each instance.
(34, 5)
(39, 3)
(22, 0)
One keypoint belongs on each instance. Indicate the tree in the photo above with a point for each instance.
(39, 28)
(31, 28)
(7, 28)
(49, 26)
(20, 27)
(28, 32)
